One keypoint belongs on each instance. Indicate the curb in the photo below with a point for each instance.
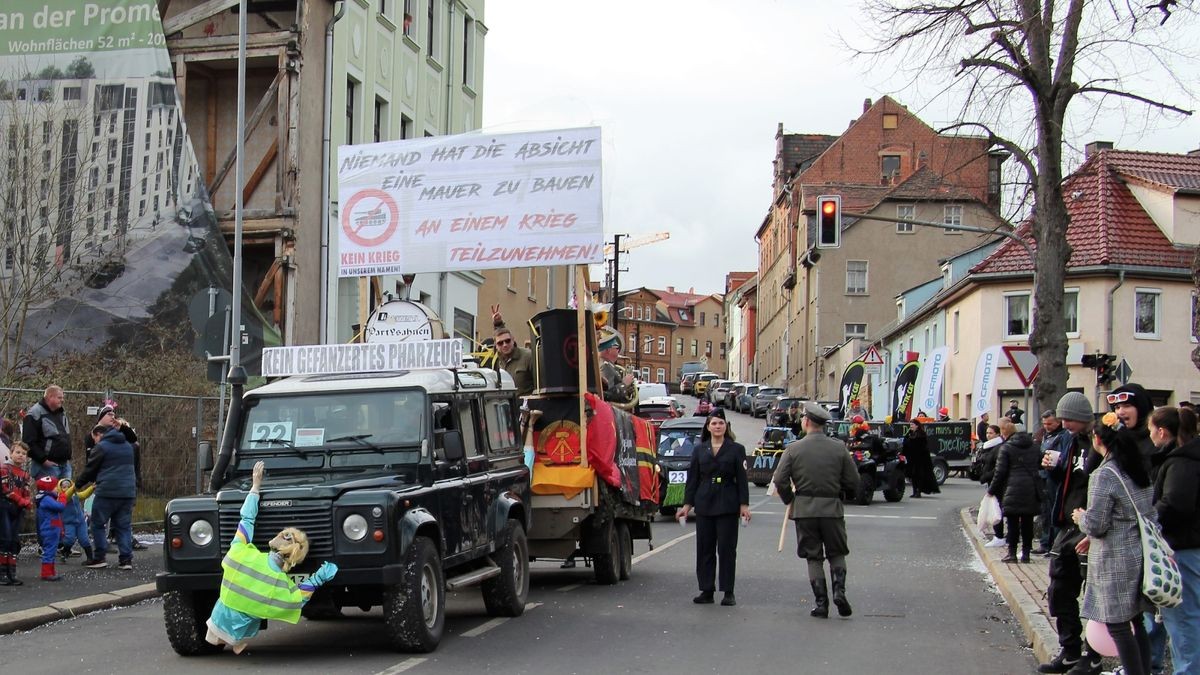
(1034, 622)
(69, 609)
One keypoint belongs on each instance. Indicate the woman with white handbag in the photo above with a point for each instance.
(1118, 491)
(1177, 501)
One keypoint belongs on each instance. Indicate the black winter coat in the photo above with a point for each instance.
(1177, 494)
(716, 484)
(1016, 481)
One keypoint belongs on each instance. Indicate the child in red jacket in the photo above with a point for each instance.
(14, 499)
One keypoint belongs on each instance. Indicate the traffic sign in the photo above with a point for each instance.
(872, 357)
(1124, 372)
(1024, 363)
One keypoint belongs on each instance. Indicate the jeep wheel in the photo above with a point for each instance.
(414, 611)
(606, 553)
(625, 541)
(505, 595)
(185, 614)
(866, 490)
(940, 471)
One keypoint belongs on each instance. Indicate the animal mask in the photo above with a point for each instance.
(292, 546)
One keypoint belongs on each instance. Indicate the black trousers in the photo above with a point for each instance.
(1022, 525)
(716, 544)
(1066, 582)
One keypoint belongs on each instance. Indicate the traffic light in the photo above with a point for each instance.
(1106, 370)
(829, 221)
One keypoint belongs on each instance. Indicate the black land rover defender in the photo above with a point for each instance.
(411, 482)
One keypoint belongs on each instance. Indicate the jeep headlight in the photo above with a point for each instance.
(354, 527)
(201, 532)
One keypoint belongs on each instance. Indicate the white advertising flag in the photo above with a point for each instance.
(929, 390)
(985, 380)
(470, 202)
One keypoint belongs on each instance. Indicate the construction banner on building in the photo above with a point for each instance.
(470, 202)
(110, 247)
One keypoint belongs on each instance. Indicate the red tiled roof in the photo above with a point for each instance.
(1174, 172)
(1108, 226)
(856, 198)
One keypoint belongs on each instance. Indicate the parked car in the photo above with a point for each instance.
(743, 396)
(763, 400)
(655, 412)
(700, 389)
(676, 440)
(687, 383)
(729, 400)
(689, 368)
(717, 390)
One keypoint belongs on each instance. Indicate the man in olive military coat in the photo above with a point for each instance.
(810, 477)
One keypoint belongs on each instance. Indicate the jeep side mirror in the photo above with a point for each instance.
(452, 441)
(204, 458)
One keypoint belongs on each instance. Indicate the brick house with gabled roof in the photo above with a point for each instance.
(1133, 233)
(887, 162)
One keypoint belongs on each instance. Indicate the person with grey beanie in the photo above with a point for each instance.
(1070, 470)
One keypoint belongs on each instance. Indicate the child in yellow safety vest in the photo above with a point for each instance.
(255, 584)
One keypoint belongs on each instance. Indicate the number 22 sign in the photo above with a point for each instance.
(267, 433)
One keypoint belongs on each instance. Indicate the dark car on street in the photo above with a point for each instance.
(744, 397)
(677, 439)
(763, 399)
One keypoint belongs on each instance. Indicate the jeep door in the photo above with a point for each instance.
(450, 484)
(507, 471)
(477, 499)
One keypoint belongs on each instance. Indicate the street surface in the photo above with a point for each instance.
(922, 604)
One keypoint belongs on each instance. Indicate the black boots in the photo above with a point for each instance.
(728, 600)
(839, 592)
(8, 563)
(821, 593)
(1061, 663)
(705, 598)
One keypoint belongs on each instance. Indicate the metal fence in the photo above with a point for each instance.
(169, 429)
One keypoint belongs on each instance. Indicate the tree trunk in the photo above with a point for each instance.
(1048, 338)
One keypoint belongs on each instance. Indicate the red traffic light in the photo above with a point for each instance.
(829, 207)
(829, 221)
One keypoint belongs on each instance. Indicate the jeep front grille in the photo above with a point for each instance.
(315, 518)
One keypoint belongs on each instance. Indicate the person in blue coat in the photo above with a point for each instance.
(49, 520)
(111, 466)
(718, 489)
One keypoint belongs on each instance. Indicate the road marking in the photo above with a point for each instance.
(868, 515)
(568, 588)
(402, 666)
(492, 623)
(684, 537)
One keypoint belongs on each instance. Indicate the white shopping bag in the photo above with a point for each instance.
(989, 513)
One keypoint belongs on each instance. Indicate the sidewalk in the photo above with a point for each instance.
(1024, 589)
(81, 590)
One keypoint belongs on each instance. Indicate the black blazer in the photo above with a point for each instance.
(717, 485)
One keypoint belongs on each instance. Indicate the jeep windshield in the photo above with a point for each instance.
(335, 430)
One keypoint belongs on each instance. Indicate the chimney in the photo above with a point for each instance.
(670, 289)
(866, 104)
(922, 160)
(1094, 147)
(1194, 153)
(691, 290)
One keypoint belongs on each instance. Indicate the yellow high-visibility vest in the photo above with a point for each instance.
(250, 586)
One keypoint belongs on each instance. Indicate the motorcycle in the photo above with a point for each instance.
(881, 464)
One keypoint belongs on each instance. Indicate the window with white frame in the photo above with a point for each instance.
(855, 331)
(509, 283)
(432, 21)
(695, 347)
(529, 284)
(906, 212)
(708, 347)
(956, 332)
(1071, 311)
(638, 309)
(1147, 307)
(648, 344)
(662, 345)
(632, 345)
(856, 277)
(645, 373)
(1016, 315)
(409, 14)
(662, 374)
(952, 215)
(468, 56)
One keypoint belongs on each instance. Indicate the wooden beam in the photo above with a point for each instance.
(210, 148)
(260, 296)
(251, 124)
(279, 281)
(273, 39)
(259, 171)
(281, 125)
(181, 69)
(195, 15)
(163, 5)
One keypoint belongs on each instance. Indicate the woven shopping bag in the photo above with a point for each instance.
(1161, 581)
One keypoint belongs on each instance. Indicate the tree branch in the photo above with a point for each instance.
(1134, 97)
(994, 65)
(1017, 151)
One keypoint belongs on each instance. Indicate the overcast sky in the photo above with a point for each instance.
(688, 94)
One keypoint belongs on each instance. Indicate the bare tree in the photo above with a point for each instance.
(1019, 65)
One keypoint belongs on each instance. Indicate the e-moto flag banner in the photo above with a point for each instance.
(933, 371)
(906, 385)
(851, 383)
(470, 202)
(985, 380)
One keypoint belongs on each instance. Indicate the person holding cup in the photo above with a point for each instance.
(718, 489)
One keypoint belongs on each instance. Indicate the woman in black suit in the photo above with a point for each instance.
(717, 487)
